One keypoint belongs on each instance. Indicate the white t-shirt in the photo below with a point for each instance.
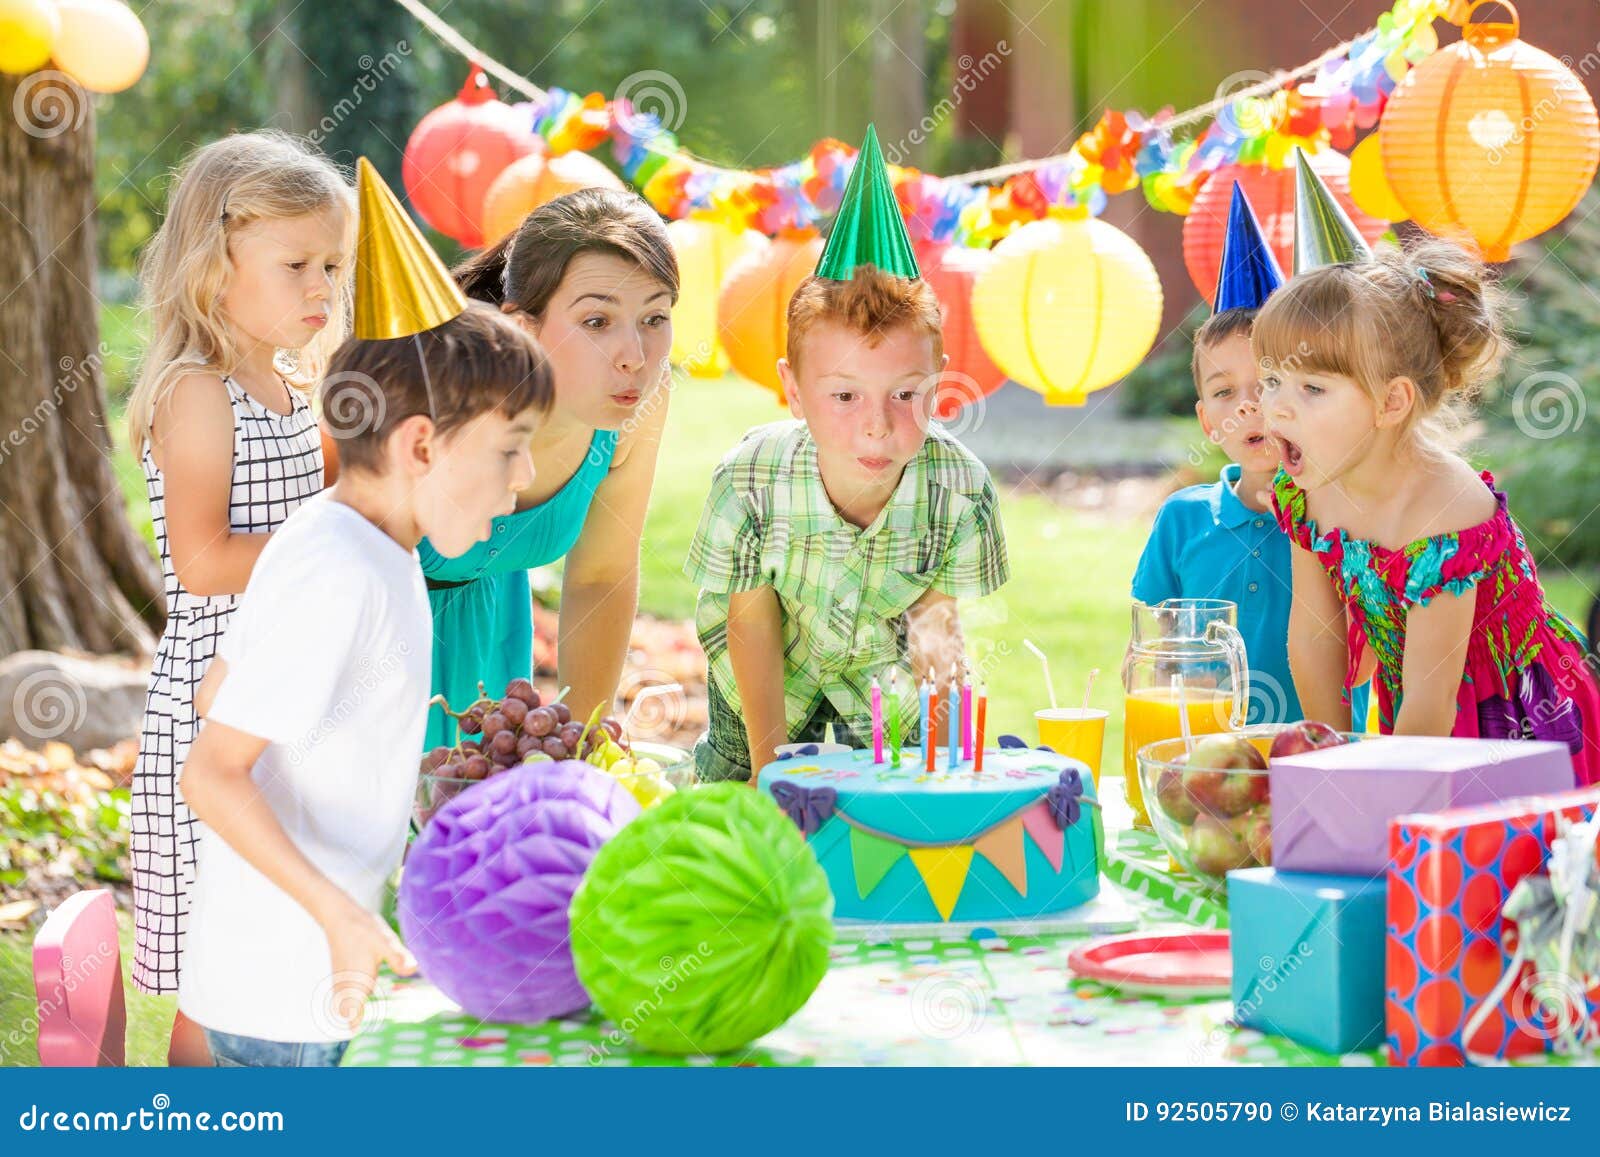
(328, 658)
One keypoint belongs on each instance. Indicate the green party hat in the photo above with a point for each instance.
(869, 229)
(1323, 231)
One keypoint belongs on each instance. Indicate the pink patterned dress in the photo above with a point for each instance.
(1526, 675)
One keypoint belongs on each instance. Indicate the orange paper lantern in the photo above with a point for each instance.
(457, 151)
(950, 270)
(525, 184)
(1271, 194)
(753, 308)
(1490, 140)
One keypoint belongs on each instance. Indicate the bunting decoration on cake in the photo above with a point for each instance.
(1003, 847)
(944, 871)
(944, 867)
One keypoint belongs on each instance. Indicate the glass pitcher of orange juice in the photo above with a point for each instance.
(1199, 640)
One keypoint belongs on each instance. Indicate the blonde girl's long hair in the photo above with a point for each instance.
(184, 270)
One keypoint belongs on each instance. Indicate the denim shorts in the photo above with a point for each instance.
(247, 1052)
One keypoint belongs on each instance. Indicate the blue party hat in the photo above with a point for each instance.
(1249, 272)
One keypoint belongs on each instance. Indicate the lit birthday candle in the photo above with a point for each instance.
(894, 717)
(877, 722)
(966, 716)
(955, 719)
(928, 736)
(983, 712)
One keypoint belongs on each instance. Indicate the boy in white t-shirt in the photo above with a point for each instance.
(304, 770)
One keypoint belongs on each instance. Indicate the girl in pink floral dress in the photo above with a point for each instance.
(1408, 564)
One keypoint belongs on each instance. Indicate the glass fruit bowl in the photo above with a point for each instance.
(1216, 818)
(675, 767)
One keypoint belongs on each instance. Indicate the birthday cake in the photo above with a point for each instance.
(901, 844)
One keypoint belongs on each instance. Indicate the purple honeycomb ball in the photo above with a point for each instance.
(484, 896)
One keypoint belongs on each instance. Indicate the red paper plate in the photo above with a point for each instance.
(1172, 964)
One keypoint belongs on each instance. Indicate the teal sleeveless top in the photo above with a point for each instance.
(483, 625)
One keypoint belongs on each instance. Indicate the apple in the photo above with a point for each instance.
(1173, 798)
(1307, 735)
(1239, 792)
(1255, 828)
(1215, 847)
(1222, 782)
(1225, 752)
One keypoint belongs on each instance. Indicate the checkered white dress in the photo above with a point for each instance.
(277, 465)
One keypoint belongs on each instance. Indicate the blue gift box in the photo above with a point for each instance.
(1308, 956)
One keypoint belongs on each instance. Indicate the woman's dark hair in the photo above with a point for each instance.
(526, 267)
(478, 362)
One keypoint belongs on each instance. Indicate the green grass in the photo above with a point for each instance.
(149, 1017)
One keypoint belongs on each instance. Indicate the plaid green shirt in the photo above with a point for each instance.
(844, 591)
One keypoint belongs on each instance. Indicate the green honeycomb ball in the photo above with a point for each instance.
(704, 924)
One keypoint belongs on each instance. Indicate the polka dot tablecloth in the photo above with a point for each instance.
(985, 1001)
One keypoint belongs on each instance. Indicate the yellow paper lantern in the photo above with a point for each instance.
(535, 179)
(753, 308)
(1067, 307)
(1369, 185)
(28, 31)
(706, 251)
(102, 44)
(1490, 140)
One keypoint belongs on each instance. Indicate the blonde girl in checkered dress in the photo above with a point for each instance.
(246, 287)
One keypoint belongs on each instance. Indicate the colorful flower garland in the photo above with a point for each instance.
(1123, 151)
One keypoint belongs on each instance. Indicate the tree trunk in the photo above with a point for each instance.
(73, 574)
(899, 79)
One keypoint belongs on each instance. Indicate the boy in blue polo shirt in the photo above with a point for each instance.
(1221, 541)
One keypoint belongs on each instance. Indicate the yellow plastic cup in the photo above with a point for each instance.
(1075, 732)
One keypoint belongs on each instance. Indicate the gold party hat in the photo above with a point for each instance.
(402, 287)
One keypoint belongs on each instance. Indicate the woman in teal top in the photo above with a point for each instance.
(593, 276)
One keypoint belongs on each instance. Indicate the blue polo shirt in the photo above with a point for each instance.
(1206, 544)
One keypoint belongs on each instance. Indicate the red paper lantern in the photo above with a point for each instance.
(1271, 193)
(950, 270)
(457, 151)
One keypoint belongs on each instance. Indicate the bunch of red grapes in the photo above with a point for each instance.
(515, 729)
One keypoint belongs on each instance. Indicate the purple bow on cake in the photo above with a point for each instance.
(1538, 711)
(808, 807)
(1064, 797)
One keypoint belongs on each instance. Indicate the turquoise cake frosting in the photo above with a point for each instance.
(1020, 839)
